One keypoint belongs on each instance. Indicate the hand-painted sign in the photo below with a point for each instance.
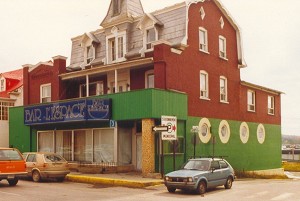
(79, 110)
(171, 123)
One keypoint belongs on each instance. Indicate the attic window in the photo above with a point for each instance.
(202, 13)
(90, 54)
(221, 22)
(116, 7)
(2, 85)
(151, 37)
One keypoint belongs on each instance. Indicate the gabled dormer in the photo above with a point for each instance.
(121, 11)
(89, 42)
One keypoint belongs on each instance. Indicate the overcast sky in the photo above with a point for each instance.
(36, 30)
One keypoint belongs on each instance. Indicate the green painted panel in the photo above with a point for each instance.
(19, 134)
(243, 157)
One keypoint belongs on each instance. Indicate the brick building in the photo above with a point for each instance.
(182, 61)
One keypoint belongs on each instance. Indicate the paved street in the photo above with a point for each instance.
(67, 191)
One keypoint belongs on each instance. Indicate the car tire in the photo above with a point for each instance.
(60, 179)
(12, 182)
(228, 183)
(171, 189)
(36, 177)
(201, 187)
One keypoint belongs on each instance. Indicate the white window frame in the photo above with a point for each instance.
(203, 45)
(149, 72)
(222, 47)
(2, 84)
(117, 51)
(251, 101)
(223, 93)
(271, 105)
(99, 88)
(4, 110)
(42, 94)
(89, 58)
(148, 45)
(204, 92)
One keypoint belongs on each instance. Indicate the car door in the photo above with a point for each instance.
(30, 163)
(215, 176)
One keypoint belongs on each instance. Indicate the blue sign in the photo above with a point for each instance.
(112, 123)
(79, 110)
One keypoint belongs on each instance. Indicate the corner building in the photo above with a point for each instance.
(183, 60)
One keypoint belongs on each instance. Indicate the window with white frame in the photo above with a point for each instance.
(203, 85)
(203, 42)
(271, 107)
(149, 79)
(89, 54)
(45, 93)
(223, 89)
(116, 47)
(4, 106)
(251, 100)
(151, 36)
(222, 47)
(2, 84)
(95, 88)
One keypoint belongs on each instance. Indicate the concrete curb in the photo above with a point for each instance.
(112, 182)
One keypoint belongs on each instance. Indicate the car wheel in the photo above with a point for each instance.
(36, 177)
(171, 189)
(12, 182)
(201, 188)
(228, 183)
(60, 179)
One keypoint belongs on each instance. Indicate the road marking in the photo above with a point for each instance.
(283, 196)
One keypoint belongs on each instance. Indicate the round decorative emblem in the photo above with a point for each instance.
(204, 131)
(224, 131)
(244, 132)
(261, 135)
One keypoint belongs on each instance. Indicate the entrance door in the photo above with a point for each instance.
(139, 152)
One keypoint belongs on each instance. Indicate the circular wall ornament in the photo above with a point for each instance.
(204, 130)
(261, 133)
(224, 131)
(244, 132)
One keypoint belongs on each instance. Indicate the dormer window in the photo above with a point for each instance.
(116, 7)
(2, 84)
(89, 42)
(90, 54)
(150, 37)
(116, 46)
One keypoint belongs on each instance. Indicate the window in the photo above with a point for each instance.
(90, 54)
(222, 47)
(204, 130)
(149, 79)
(251, 100)
(151, 36)
(203, 85)
(2, 85)
(261, 134)
(95, 88)
(224, 131)
(244, 132)
(116, 47)
(46, 93)
(271, 106)
(203, 42)
(116, 7)
(223, 89)
(4, 109)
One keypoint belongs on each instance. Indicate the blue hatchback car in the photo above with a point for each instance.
(200, 174)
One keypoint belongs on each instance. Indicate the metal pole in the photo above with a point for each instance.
(194, 145)
(162, 157)
(174, 155)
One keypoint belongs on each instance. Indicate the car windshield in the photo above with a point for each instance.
(197, 165)
(10, 155)
(53, 158)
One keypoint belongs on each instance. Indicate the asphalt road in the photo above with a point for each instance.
(68, 191)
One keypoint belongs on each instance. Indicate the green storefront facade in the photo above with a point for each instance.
(128, 108)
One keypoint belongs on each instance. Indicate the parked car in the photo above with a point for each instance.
(12, 165)
(200, 174)
(45, 165)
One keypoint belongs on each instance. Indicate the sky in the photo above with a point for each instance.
(36, 30)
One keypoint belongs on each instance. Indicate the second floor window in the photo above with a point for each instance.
(251, 100)
(223, 89)
(271, 107)
(203, 85)
(203, 40)
(95, 88)
(222, 47)
(4, 110)
(45, 93)
(149, 79)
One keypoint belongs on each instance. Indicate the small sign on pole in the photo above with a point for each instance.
(171, 123)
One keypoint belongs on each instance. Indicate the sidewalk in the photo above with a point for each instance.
(132, 180)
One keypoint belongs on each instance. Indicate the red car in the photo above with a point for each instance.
(12, 165)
